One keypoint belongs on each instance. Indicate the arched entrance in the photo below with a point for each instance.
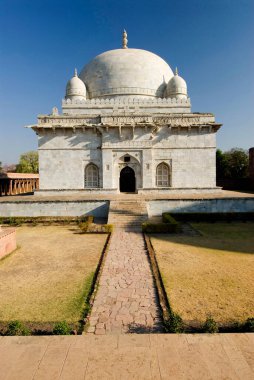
(127, 180)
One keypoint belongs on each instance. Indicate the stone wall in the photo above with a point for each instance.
(7, 241)
(157, 207)
(100, 208)
(54, 208)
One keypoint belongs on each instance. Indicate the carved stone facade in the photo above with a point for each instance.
(126, 141)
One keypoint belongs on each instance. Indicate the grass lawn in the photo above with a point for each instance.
(209, 275)
(47, 278)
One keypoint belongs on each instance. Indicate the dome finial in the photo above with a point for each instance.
(125, 41)
(176, 71)
(75, 72)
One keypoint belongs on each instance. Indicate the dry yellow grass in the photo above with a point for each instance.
(211, 274)
(44, 279)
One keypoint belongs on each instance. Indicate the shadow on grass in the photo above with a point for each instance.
(235, 237)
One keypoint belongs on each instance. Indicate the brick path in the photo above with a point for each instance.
(129, 356)
(126, 299)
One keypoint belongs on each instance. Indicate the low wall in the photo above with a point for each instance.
(100, 208)
(7, 241)
(156, 207)
(54, 208)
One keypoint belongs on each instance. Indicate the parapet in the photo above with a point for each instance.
(126, 104)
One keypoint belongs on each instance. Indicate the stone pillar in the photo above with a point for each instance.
(147, 160)
(15, 187)
(107, 169)
(18, 186)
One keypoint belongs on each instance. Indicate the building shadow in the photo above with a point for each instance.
(241, 243)
(135, 328)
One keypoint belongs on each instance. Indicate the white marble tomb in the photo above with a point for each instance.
(126, 126)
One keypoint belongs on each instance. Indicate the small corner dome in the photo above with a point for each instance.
(75, 88)
(176, 87)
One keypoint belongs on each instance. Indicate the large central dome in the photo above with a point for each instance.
(126, 72)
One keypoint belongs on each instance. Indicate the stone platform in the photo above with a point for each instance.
(7, 241)
(98, 204)
(79, 196)
(131, 356)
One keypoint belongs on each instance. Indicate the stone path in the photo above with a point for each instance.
(126, 300)
(130, 356)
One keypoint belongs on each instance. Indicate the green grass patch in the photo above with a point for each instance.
(49, 279)
(210, 275)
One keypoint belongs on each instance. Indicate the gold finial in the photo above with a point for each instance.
(125, 41)
(75, 72)
(176, 71)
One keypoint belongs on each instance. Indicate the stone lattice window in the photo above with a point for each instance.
(91, 176)
(162, 175)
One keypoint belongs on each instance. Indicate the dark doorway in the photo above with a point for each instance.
(127, 180)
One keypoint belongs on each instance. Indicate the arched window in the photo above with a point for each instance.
(91, 176)
(162, 175)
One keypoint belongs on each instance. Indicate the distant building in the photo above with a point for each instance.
(126, 126)
(18, 183)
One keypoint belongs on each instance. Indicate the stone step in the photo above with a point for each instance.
(126, 224)
(128, 220)
(127, 205)
(128, 208)
(133, 209)
(125, 221)
(136, 212)
(127, 215)
(118, 223)
(112, 221)
(127, 202)
(130, 216)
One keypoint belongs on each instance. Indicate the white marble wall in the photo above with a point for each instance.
(63, 157)
(190, 153)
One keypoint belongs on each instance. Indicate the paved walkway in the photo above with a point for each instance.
(132, 356)
(126, 300)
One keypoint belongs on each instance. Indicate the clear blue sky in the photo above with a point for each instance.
(41, 41)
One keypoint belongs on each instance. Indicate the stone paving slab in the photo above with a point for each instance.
(126, 300)
(130, 356)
